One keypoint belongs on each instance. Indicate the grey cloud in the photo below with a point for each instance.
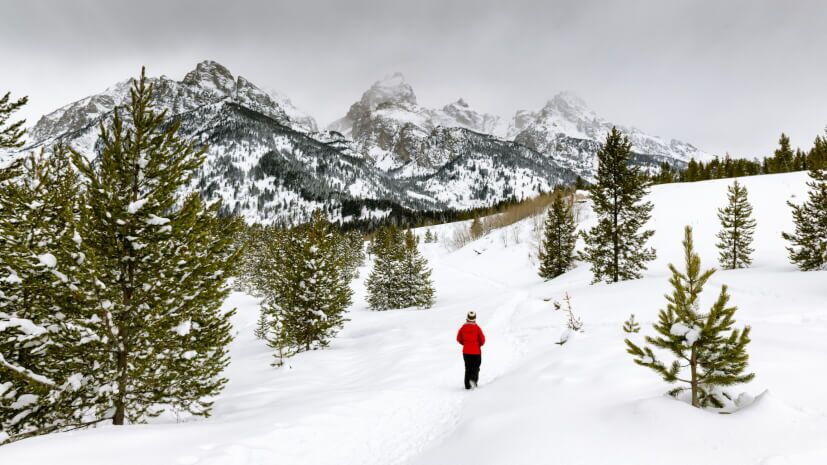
(727, 76)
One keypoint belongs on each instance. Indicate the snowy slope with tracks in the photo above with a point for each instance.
(389, 389)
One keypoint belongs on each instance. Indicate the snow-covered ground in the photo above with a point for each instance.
(389, 389)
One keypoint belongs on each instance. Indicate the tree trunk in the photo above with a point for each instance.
(120, 399)
(693, 366)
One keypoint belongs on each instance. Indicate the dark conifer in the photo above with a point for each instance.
(616, 246)
(737, 228)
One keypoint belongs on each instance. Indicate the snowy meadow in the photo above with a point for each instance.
(388, 389)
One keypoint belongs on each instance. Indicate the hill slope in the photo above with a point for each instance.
(389, 389)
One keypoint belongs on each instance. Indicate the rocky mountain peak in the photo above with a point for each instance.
(211, 75)
(392, 89)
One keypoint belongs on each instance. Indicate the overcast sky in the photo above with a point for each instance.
(727, 76)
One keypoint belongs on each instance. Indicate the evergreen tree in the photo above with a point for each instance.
(305, 281)
(44, 320)
(630, 325)
(737, 227)
(557, 252)
(783, 158)
(400, 277)
(615, 247)
(381, 284)
(351, 245)
(11, 134)
(808, 244)
(429, 237)
(160, 265)
(415, 276)
(704, 343)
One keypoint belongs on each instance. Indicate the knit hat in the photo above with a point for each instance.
(472, 316)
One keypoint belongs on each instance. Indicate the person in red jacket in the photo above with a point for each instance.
(471, 337)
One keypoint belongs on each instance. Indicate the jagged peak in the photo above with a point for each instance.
(393, 88)
(461, 103)
(211, 74)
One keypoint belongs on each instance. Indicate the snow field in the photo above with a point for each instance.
(389, 389)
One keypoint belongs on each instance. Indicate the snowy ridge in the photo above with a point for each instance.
(389, 388)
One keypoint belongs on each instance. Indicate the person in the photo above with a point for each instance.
(472, 339)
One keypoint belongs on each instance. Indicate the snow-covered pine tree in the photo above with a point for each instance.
(429, 237)
(351, 245)
(44, 322)
(808, 244)
(160, 265)
(737, 227)
(559, 239)
(306, 287)
(414, 276)
(616, 246)
(386, 248)
(400, 277)
(11, 134)
(709, 353)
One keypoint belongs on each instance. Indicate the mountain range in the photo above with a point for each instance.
(269, 161)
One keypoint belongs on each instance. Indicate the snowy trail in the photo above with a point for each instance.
(389, 388)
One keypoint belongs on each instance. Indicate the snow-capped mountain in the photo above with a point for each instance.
(566, 129)
(267, 162)
(388, 127)
(208, 83)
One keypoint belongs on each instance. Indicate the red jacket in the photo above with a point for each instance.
(471, 337)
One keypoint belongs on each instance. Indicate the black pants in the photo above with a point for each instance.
(472, 368)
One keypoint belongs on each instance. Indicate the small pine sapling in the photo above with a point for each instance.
(630, 325)
(709, 353)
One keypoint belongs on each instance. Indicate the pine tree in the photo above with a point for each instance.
(429, 237)
(381, 284)
(44, 320)
(783, 158)
(704, 343)
(400, 277)
(415, 276)
(630, 325)
(11, 134)
(808, 244)
(557, 252)
(615, 247)
(737, 227)
(160, 265)
(305, 282)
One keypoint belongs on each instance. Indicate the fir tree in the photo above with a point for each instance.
(160, 265)
(557, 252)
(615, 247)
(11, 134)
(704, 344)
(44, 320)
(808, 244)
(429, 237)
(737, 227)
